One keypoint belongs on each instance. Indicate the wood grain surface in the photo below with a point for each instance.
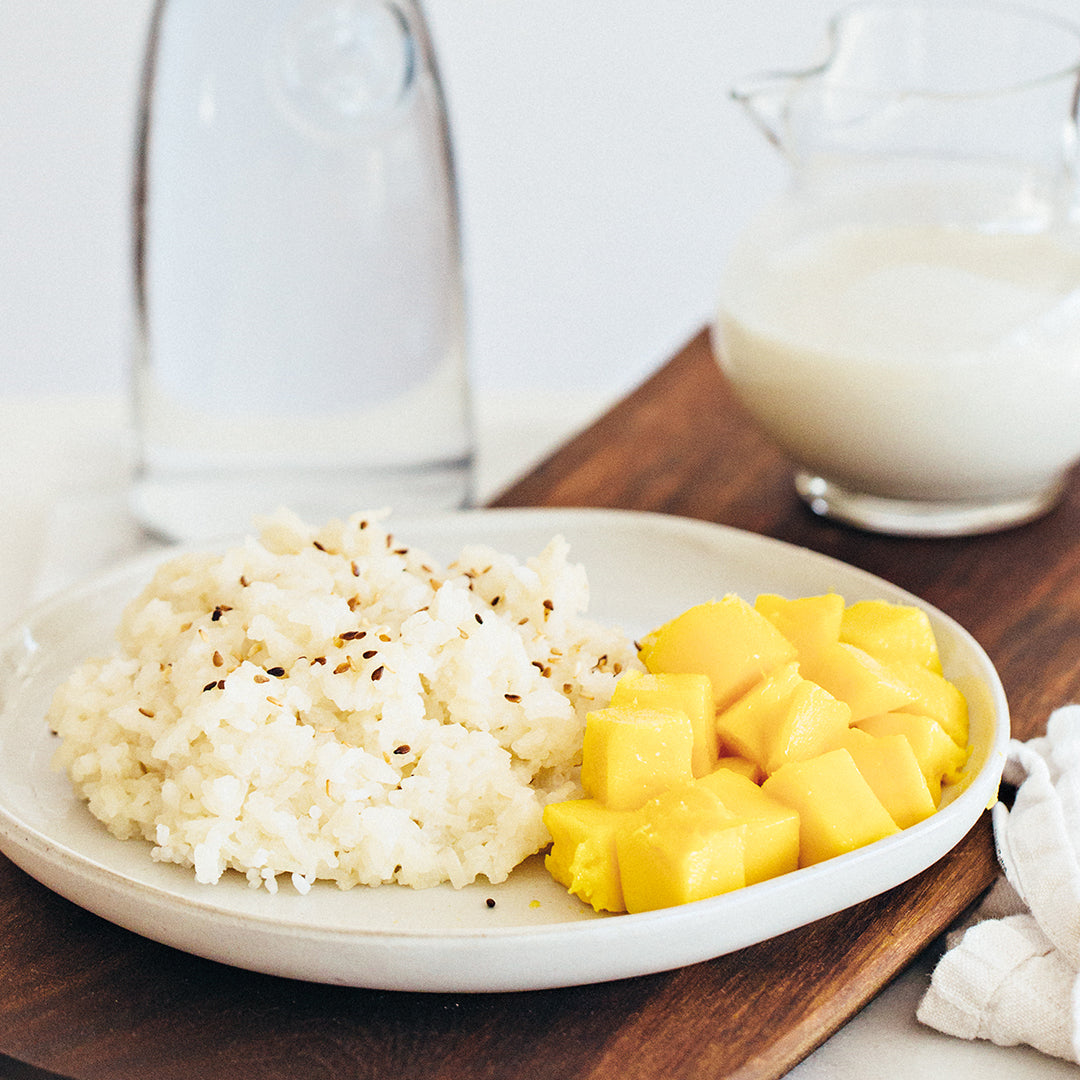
(85, 999)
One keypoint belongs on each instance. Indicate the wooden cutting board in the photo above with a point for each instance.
(87, 1000)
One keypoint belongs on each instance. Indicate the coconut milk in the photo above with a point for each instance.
(912, 362)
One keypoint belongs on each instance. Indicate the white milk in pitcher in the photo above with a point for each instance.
(911, 362)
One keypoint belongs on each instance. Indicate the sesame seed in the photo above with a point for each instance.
(377, 674)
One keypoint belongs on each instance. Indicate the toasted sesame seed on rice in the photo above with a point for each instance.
(330, 703)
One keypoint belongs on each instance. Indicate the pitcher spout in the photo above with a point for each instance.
(767, 99)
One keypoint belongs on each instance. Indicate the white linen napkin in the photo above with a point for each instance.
(1011, 975)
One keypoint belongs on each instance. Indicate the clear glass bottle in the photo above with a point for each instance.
(299, 288)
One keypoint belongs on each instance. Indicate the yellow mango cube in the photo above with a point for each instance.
(583, 855)
(933, 695)
(857, 678)
(631, 754)
(939, 757)
(838, 811)
(684, 846)
(772, 829)
(891, 632)
(747, 727)
(808, 622)
(889, 766)
(783, 718)
(727, 640)
(677, 690)
(743, 766)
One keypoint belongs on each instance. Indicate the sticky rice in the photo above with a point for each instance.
(330, 703)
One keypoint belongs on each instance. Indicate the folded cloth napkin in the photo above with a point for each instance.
(1011, 974)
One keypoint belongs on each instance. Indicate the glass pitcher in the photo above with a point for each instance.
(905, 321)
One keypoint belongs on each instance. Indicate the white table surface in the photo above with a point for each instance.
(64, 465)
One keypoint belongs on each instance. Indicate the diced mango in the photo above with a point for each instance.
(772, 829)
(855, 677)
(743, 766)
(783, 718)
(727, 640)
(632, 754)
(891, 632)
(760, 739)
(746, 728)
(685, 846)
(838, 811)
(677, 690)
(808, 622)
(933, 695)
(938, 756)
(583, 855)
(889, 766)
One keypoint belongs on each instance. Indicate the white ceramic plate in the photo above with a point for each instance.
(643, 569)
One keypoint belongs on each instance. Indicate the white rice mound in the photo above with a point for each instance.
(330, 704)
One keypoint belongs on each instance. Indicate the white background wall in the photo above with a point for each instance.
(604, 173)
